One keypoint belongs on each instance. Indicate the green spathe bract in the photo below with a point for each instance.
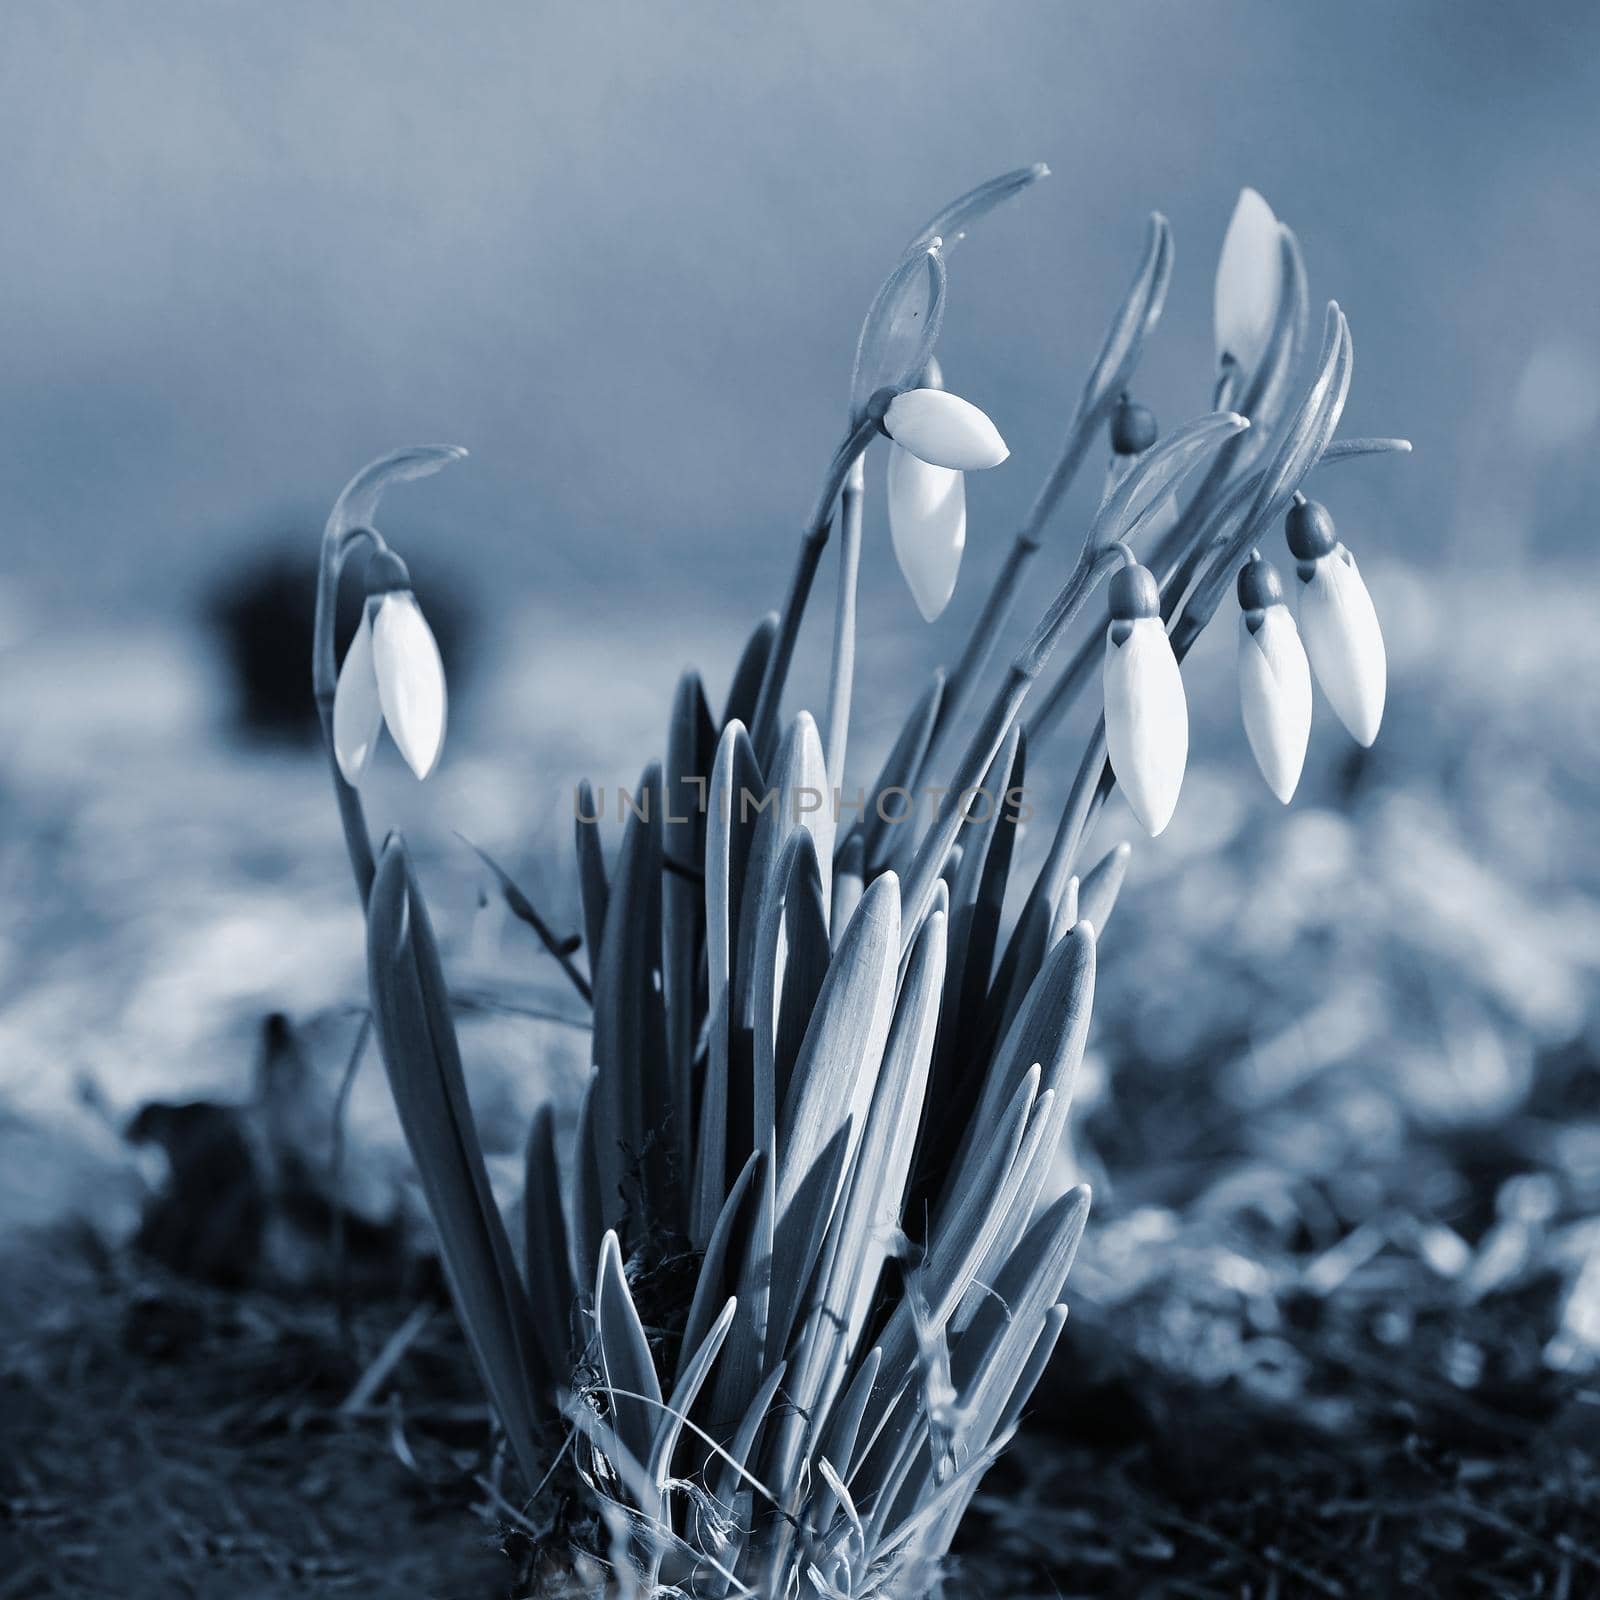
(828, 1081)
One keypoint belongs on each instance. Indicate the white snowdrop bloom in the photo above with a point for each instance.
(1338, 622)
(1147, 715)
(1274, 679)
(391, 674)
(944, 430)
(1249, 282)
(928, 527)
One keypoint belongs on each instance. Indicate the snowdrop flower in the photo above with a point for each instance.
(391, 674)
(927, 526)
(944, 430)
(1274, 678)
(1337, 621)
(1147, 716)
(1249, 282)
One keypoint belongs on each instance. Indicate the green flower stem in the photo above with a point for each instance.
(991, 620)
(841, 674)
(336, 549)
(1094, 564)
(763, 724)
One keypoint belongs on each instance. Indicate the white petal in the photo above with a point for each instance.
(928, 526)
(1147, 721)
(944, 430)
(1275, 698)
(410, 680)
(1249, 281)
(357, 713)
(1345, 643)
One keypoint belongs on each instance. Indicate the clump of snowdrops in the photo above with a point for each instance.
(787, 1296)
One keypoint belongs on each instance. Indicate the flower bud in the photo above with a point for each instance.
(1249, 283)
(1338, 623)
(357, 712)
(1274, 679)
(410, 678)
(927, 526)
(944, 430)
(1133, 428)
(1147, 716)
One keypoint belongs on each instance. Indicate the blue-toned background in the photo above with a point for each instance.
(621, 252)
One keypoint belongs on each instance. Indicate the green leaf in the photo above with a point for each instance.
(591, 872)
(552, 1294)
(729, 835)
(587, 1210)
(411, 1015)
(745, 689)
(626, 1364)
(838, 1064)
(691, 746)
(1097, 897)
(711, 1284)
(631, 1101)
(691, 1379)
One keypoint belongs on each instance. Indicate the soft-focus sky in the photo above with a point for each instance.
(622, 250)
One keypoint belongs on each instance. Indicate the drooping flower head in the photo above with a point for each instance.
(1274, 678)
(1147, 715)
(392, 674)
(1338, 621)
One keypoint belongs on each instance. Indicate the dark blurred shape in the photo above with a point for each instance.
(250, 1196)
(262, 617)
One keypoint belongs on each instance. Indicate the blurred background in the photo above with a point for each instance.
(621, 252)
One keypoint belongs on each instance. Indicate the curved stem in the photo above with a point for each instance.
(991, 620)
(336, 549)
(841, 675)
(917, 892)
(812, 543)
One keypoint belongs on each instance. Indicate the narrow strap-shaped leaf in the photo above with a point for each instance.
(592, 887)
(869, 1215)
(626, 1364)
(965, 1230)
(798, 1236)
(730, 830)
(849, 875)
(839, 1442)
(987, 1359)
(1051, 1029)
(691, 1379)
(691, 746)
(742, 1445)
(1055, 1319)
(547, 1246)
(891, 809)
(838, 1064)
(739, 1373)
(1097, 896)
(805, 964)
(745, 689)
(587, 1227)
(631, 1098)
(711, 1284)
(415, 1030)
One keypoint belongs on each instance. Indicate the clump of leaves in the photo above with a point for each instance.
(788, 1294)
